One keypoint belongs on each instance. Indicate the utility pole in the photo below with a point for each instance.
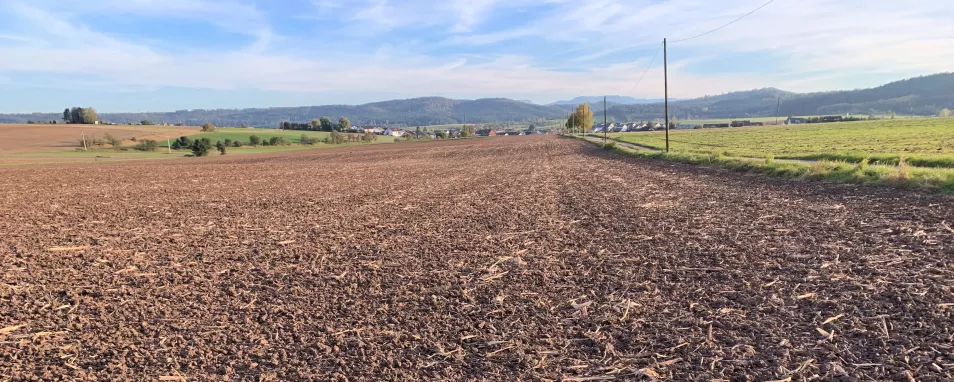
(85, 148)
(666, 85)
(605, 126)
(169, 144)
(778, 106)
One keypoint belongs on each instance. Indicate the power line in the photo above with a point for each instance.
(732, 22)
(648, 67)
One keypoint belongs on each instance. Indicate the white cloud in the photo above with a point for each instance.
(802, 36)
(455, 16)
(809, 45)
(469, 13)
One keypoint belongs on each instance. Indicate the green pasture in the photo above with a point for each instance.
(728, 120)
(922, 142)
(863, 172)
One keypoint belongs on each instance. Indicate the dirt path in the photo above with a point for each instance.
(509, 258)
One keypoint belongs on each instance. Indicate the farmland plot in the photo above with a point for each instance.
(520, 258)
(927, 142)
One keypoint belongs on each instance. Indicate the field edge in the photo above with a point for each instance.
(903, 176)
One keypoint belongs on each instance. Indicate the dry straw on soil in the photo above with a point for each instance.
(518, 258)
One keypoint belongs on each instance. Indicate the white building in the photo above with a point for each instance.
(394, 132)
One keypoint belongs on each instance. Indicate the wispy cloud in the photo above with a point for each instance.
(233, 16)
(518, 48)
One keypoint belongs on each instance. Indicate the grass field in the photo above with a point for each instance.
(780, 119)
(923, 142)
(729, 120)
(903, 176)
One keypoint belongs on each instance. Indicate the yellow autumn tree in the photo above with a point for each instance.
(581, 120)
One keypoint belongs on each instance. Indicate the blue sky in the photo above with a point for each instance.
(163, 55)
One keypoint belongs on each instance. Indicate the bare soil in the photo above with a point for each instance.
(509, 258)
(39, 138)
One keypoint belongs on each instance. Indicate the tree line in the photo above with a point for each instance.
(80, 115)
(319, 124)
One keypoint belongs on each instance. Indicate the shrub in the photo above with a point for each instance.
(113, 141)
(335, 138)
(236, 144)
(147, 145)
(904, 171)
(369, 137)
(208, 128)
(277, 141)
(770, 159)
(227, 141)
(183, 143)
(471, 130)
(306, 140)
(255, 140)
(200, 147)
(221, 147)
(95, 142)
(863, 165)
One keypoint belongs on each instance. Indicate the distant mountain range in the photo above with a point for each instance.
(410, 112)
(614, 99)
(916, 96)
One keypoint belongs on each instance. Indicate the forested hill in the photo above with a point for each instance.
(917, 96)
(411, 112)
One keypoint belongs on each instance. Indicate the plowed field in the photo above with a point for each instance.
(41, 138)
(498, 259)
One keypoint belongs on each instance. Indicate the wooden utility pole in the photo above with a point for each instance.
(84, 141)
(169, 144)
(605, 126)
(666, 85)
(778, 106)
